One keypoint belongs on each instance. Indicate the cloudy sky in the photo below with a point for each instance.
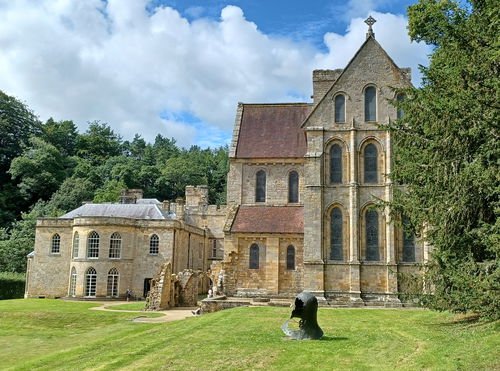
(179, 67)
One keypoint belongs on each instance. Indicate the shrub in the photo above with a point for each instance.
(11, 285)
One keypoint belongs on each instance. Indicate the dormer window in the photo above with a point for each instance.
(370, 104)
(340, 108)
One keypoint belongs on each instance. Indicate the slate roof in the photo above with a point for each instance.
(131, 211)
(153, 201)
(272, 130)
(269, 219)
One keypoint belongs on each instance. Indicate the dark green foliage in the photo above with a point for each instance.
(11, 285)
(447, 151)
(49, 169)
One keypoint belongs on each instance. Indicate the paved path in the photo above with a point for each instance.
(174, 314)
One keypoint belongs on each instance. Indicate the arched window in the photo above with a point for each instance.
(293, 187)
(76, 245)
(400, 98)
(336, 251)
(371, 171)
(372, 249)
(113, 278)
(254, 256)
(115, 246)
(72, 282)
(154, 245)
(336, 164)
(260, 186)
(55, 246)
(370, 104)
(93, 245)
(408, 241)
(90, 282)
(340, 108)
(290, 257)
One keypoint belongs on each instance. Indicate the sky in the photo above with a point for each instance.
(178, 68)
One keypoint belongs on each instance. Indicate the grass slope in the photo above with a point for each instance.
(129, 306)
(50, 334)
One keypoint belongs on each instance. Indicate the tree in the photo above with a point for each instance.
(447, 152)
(62, 135)
(98, 143)
(109, 192)
(40, 168)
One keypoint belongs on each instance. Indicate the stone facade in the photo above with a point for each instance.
(149, 234)
(369, 254)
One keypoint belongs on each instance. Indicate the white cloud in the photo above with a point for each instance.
(114, 61)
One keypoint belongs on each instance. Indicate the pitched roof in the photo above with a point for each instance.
(269, 219)
(272, 130)
(131, 211)
(370, 38)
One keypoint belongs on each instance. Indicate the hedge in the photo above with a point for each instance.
(11, 285)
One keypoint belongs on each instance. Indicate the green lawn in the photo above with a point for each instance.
(129, 306)
(52, 334)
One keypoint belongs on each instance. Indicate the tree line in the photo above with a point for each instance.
(49, 168)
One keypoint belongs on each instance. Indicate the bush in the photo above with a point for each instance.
(11, 285)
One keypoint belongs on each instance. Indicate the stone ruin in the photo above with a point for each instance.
(172, 290)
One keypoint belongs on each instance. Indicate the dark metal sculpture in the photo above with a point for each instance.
(305, 308)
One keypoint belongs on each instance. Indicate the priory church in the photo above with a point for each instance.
(301, 210)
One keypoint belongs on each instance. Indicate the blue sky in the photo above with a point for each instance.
(178, 67)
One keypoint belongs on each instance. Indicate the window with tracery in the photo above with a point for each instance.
(260, 186)
(115, 246)
(93, 245)
(90, 282)
(370, 104)
(340, 108)
(254, 256)
(293, 187)
(55, 246)
(336, 251)
(371, 163)
(112, 288)
(408, 241)
(371, 235)
(290, 257)
(154, 245)
(335, 164)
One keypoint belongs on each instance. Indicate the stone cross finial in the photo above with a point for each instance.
(370, 21)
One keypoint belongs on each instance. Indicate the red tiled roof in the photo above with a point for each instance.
(269, 219)
(272, 130)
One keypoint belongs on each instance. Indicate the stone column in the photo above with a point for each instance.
(354, 266)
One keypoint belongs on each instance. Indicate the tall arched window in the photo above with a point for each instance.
(93, 245)
(370, 104)
(254, 256)
(400, 98)
(371, 160)
(336, 251)
(408, 241)
(115, 246)
(340, 108)
(293, 187)
(76, 245)
(154, 244)
(290, 257)
(336, 164)
(113, 278)
(260, 186)
(372, 248)
(55, 246)
(72, 282)
(90, 282)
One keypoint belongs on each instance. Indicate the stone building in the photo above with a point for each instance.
(101, 250)
(301, 192)
(302, 187)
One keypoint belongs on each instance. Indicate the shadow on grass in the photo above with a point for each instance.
(333, 338)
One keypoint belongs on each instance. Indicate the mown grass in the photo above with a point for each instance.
(50, 334)
(129, 306)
